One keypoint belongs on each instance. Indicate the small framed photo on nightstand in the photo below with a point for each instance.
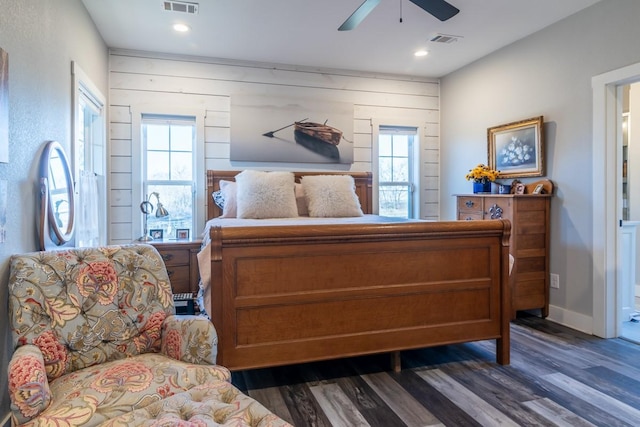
(538, 190)
(182, 234)
(156, 234)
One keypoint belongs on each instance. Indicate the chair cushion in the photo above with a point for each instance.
(103, 392)
(216, 404)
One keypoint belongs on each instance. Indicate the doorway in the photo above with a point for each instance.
(609, 263)
(629, 174)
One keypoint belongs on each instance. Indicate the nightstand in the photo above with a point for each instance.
(180, 258)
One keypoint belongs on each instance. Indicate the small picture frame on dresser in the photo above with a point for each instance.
(538, 190)
(156, 234)
(182, 234)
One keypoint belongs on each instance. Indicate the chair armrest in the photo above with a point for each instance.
(28, 384)
(191, 339)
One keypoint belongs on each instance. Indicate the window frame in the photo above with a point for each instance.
(85, 90)
(411, 132)
(416, 152)
(138, 173)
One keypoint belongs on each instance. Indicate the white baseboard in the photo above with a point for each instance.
(571, 319)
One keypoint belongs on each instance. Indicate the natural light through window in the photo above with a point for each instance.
(169, 171)
(395, 171)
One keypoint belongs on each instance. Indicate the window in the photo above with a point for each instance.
(395, 171)
(90, 149)
(168, 144)
(89, 161)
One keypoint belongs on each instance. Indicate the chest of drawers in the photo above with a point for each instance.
(528, 244)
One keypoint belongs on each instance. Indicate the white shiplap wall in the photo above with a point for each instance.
(142, 81)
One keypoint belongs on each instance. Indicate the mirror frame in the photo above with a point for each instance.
(47, 212)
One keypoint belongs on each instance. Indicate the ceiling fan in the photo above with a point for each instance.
(438, 8)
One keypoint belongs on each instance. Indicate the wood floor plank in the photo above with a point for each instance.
(556, 415)
(469, 402)
(619, 386)
(271, 398)
(499, 389)
(613, 407)
(408, 409)
(304, 409)
(375, 410)
(435, 402)
(340, 410)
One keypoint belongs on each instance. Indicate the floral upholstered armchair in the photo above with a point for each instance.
(97, 343)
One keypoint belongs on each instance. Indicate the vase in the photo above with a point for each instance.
(482, 187)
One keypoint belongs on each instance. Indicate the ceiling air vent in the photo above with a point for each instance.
(181, 6)
(444, 38)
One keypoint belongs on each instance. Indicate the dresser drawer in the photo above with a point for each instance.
(175, 256)
(470, 204)
(469, 216)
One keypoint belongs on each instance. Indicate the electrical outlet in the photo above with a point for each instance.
(555, 281)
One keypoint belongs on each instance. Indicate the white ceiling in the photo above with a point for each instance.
(304, 32)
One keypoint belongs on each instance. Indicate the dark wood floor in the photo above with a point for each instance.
(557, 376)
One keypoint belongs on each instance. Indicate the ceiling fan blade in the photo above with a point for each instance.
(438, 8)
(358, 16)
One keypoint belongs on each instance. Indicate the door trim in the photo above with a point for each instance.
(607, 200)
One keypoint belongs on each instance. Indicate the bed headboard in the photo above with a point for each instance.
(363, 181)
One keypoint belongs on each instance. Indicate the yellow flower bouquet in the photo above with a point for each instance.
(482, 174)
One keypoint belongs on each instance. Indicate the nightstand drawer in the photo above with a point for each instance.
(175, 256)
(180, 278)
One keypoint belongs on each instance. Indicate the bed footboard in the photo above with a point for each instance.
(284, 295)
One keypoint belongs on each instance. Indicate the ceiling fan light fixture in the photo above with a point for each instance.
(420, 53)
(181, 28)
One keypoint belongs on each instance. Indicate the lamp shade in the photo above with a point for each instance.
(161, 212)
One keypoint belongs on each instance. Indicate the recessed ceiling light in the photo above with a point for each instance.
(181, 28)
(421, 52)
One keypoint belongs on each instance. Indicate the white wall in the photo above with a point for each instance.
(42, 38)
(548, 73)
(142, 81)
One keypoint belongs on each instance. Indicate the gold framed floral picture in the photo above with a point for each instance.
(517, 149)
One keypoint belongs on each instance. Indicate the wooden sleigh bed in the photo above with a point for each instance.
(291, 294)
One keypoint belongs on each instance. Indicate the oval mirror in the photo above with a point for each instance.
(57, 206)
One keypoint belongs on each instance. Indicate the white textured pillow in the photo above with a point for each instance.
(331, 196)
(266, 194)
(229, 189)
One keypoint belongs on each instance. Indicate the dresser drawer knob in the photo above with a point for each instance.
(169, 273)
(469, 203)
(167, 257)
(468, 218)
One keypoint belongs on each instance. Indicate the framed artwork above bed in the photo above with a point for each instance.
(290, 130)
